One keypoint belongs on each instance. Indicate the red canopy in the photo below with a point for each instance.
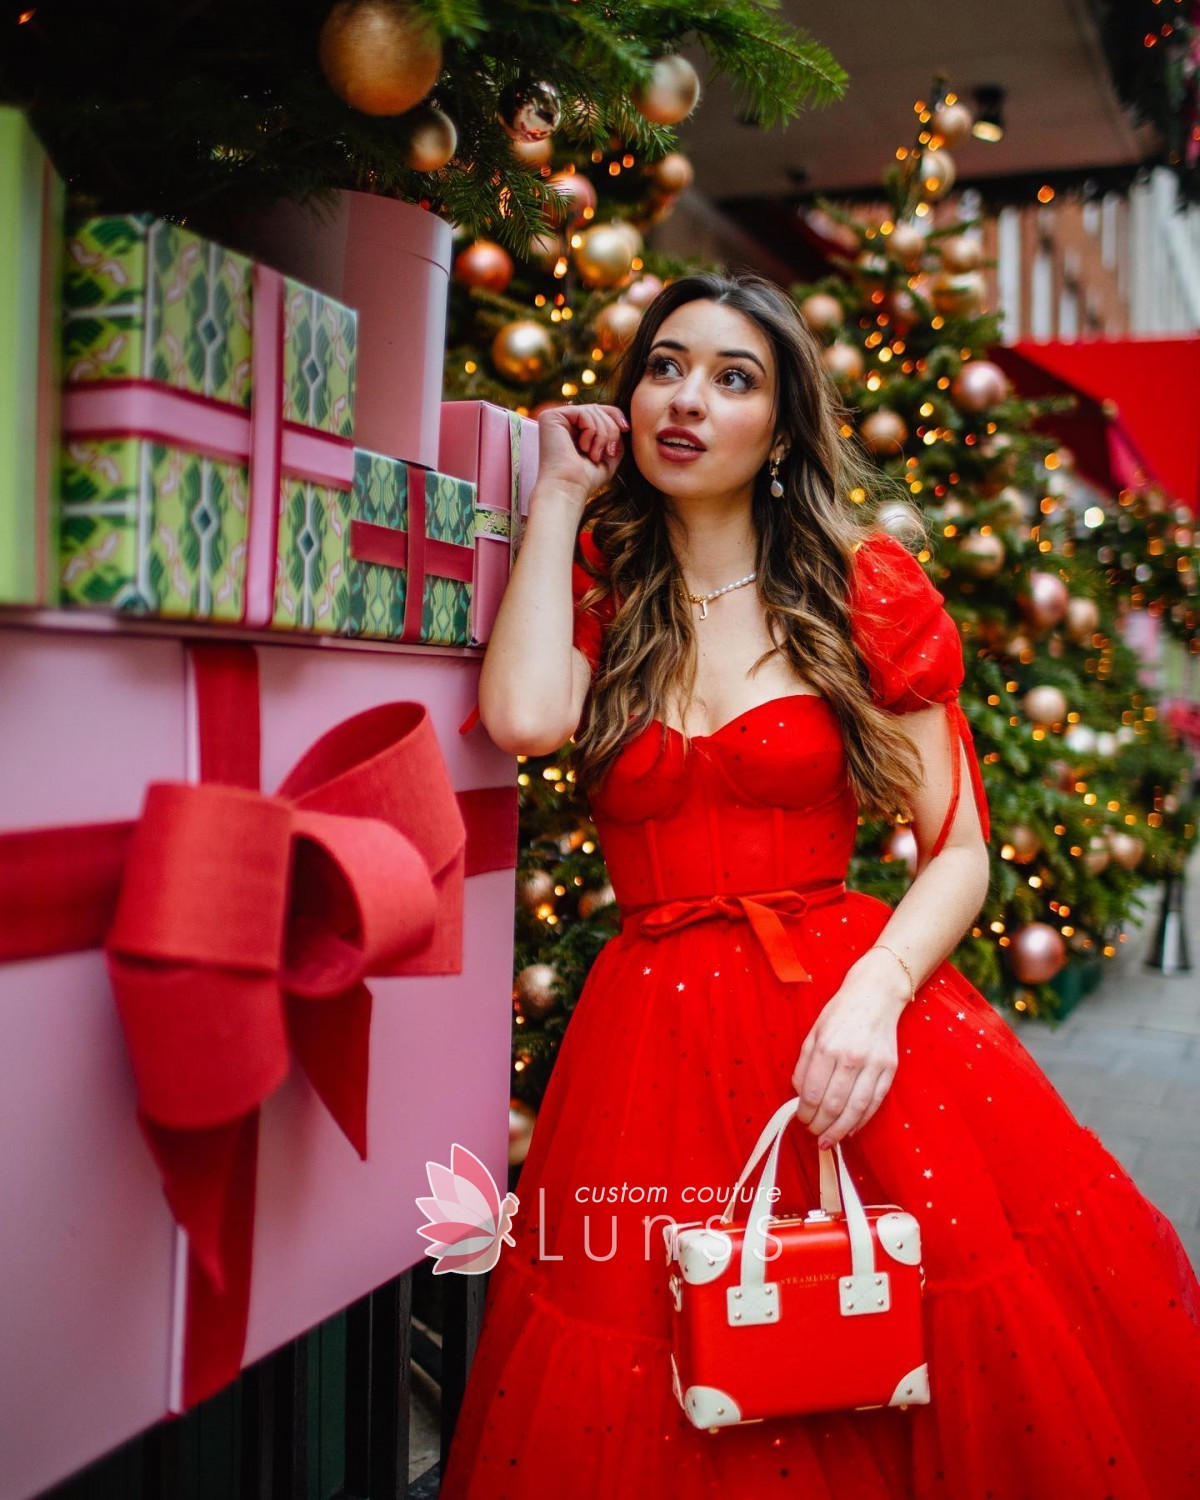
(1137, 415)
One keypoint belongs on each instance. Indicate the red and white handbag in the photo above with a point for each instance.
(828, 1317)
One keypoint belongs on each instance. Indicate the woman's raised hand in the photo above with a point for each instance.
(580, 447)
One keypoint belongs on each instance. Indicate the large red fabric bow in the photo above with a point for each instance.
(760, 908)
(238, 930)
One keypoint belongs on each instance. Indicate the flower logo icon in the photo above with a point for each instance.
(467, 1219)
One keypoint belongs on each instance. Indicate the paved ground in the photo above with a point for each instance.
(1127, 1062)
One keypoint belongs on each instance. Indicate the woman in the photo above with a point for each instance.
(758, 665)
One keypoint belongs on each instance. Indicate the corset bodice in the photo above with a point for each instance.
(762, 804)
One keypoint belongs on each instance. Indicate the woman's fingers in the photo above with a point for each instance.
(826, 1083)
(592, 431)
(882, 1085)
(865, 1097)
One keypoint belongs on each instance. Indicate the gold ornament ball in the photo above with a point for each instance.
(643, 291)
(1037, 952)
(484, 264)
(1045, 602)
(544, 251)
(871, 270)
(936, 174)
(1014, 507)
(521, 1120)
(604, 255)
(380, 56)
(900, 847)
(953, 123)
(523, 351)
(1045, 705)
(960, 252)
(534, 990)
(672, 92)
(957, 294)
(1097, 857)
(822, 313)
(633, 237)
(1083, 619)
(593, 901)
(616, 325)
(674, 174)
(534, 889)
(580, 196)
(432, 140)
(534, 154)
(1025, 844)
(1126, 849)
(907, 245)
(978, 386)
(901, 307)
(844, 362)
(900, 520)
(983, 554)
(529, 110)
(884, 432)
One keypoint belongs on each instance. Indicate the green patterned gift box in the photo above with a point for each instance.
(201, 388)
(392, 562)
(31, 207)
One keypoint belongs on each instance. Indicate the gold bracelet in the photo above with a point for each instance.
(911, 984)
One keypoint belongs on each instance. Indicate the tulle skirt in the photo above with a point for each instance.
(1062, 1316)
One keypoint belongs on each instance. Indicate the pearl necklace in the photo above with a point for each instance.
(702, 599)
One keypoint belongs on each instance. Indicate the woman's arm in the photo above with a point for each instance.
(850, 1055)
(928, 923)
(533, 682)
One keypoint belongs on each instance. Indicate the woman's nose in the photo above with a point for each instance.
(688, 396)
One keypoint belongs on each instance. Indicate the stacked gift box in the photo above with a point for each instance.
(180, 442)
(208, 468)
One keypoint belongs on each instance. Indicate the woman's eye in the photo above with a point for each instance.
(744, 376)
(659, 364)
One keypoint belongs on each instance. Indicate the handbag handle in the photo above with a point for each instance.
(837, 1190)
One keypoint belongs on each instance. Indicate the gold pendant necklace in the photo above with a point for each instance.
(702, 599)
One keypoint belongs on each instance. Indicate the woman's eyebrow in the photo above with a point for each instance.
(721, 353)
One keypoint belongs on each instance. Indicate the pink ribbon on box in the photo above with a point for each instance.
(259, 437)
(413, 550)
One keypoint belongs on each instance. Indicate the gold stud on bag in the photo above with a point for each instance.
(779, 1316)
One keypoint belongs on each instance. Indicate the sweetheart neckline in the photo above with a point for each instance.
(745, 713)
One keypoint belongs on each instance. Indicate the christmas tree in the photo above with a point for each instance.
(1088, 790)
(545, 327)
(197, 108)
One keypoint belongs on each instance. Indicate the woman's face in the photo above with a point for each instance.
(703, 414)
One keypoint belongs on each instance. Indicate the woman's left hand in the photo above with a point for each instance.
(848, 1060)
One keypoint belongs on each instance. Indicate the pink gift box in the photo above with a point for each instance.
(497, 450)
(91, 1269)
(391, 262)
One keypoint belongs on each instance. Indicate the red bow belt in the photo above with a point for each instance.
(760, 908)
(245, 926)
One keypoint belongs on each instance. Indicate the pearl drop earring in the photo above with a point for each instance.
(776, 482)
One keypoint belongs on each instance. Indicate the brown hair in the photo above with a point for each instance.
(805, 545)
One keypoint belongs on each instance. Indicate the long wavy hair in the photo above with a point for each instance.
(805, 544)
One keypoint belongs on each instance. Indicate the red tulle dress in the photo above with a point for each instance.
(1062, 1316)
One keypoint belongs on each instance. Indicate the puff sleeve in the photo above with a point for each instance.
(590, 623)
(913, 653)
